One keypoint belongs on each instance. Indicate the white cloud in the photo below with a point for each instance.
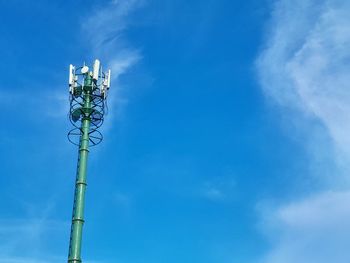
(213, 194)
(103, 31)
(221, 188)
(122, 199)
(316, 229)
(305, 67)
(307, 61)
(28, 240)
(22, 240)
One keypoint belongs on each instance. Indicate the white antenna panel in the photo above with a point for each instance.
(71, 74)
(96, 69)
(109, 78)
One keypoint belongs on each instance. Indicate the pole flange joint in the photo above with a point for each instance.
(78, 220)
(80, 183)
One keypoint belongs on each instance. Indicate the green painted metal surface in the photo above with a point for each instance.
(80, 183)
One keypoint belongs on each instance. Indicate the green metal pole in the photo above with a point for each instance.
(80, 183)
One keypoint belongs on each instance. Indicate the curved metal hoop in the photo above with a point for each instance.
(96, 115)
(77, 111)
(95, 137)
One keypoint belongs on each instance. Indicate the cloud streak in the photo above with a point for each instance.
(306, 62)
(23, 240)
(305, 67)
(27, 240)
(315, 229)
(104, 32)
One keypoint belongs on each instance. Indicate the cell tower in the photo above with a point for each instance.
(88, 93)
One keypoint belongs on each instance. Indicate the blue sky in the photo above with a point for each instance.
(226, 139)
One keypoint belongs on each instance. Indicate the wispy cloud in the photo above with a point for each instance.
(28, 240)
(23, 240)
(315, 229)
(219, 189)
(305, 67)
(307, 60)
(104, 31)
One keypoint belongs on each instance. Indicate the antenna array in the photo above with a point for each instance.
(93, 85)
